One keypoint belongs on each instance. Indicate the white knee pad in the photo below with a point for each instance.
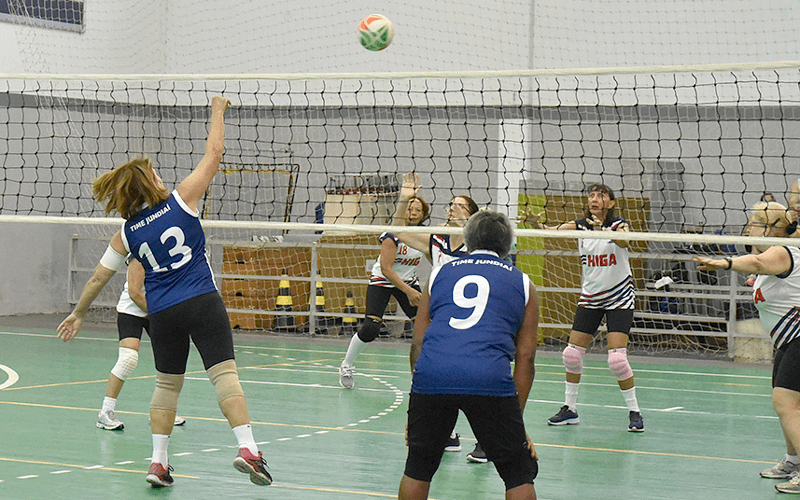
(126, 363)
(573, 358)
(618, 363)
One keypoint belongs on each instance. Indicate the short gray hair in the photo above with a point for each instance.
(488, 230)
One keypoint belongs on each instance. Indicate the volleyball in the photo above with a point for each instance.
(376, 32)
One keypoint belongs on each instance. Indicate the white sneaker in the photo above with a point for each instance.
(178, 420)
(346, 377)
(791, 486)
(108, 420)
(781, 470)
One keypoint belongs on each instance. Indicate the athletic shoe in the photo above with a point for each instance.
(790, 486)
(565, 416)
(178, 420)
(453, 443)
(781, 470)
(158, 476)
(254, 465)
(637, 422)
(108, 420)
(477, 456)
(346, 377)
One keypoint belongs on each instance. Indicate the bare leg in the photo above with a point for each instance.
(522, 492)
(412, 489)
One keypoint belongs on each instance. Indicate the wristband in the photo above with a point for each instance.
(730, 262)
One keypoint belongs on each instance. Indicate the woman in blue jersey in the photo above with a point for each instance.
(776, 294)
(606, 291)
(440, 249)
(131, 322)
(476, 315)
(393, 275)
(162, 231)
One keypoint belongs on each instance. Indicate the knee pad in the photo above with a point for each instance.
(168, 388)
(226, 380)
(573, 358)
(370, 329)
(618, 363)
(126, 363)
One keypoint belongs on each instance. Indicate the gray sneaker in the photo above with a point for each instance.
(346, 377)
(790, 486)
(108, 420)
(781, 470)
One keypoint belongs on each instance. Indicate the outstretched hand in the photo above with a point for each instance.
(69, 327)
(706, 264)
(411, 186)
(531, 219)
(219, 103)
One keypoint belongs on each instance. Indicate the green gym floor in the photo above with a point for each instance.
(710, 427)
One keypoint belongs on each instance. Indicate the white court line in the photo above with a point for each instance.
(13, 377)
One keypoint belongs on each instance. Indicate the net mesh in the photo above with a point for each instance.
(686, 151)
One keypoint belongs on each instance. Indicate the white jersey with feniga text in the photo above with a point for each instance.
(406, 260)
(777, 299)
(607, 282)
(441, 250)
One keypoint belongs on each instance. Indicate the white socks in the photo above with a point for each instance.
(160, 445)
(244, 435)
(792, 459)
(109, 404)
(356, 346)
(571, 395)
(630, 399)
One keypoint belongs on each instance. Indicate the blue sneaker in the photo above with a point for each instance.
(637, 422)
(565, 416)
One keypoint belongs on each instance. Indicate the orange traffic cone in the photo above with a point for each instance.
(283, 322)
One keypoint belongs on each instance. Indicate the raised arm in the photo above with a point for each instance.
(410, 189)
(194, 186)
(109, 263)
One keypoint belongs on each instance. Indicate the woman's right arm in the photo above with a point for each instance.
(530, 219)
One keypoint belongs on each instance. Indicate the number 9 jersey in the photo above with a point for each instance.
(170, 243)
(477, 306)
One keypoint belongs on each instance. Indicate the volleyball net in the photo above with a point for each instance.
(313, 164)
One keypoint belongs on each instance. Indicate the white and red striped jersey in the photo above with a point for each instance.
(607, 282)
(405, 264)
(777, 299)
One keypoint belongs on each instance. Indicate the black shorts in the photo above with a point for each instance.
(617, 320)
(496, 422)
(204, 320)
(378, 298)
(786, 366)
(130, 326)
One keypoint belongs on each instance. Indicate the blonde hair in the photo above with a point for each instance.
(126, 188)
(773, 214)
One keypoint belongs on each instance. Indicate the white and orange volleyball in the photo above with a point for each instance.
(376, 32)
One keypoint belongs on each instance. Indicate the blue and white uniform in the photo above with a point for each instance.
(607, 281)
(405, 264)
(477, 307)
(442, 251)
(170, 243)
(775, 297)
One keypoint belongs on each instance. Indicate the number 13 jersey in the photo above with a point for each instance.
(477, 306)
(170, 243)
